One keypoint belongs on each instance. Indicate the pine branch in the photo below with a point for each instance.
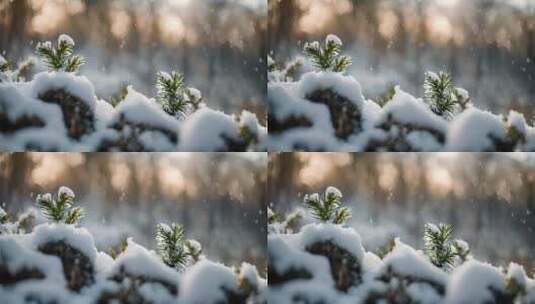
(173, 249)
(60, 209)
(176, 99)
(443, 98)
(60, 57)
(328, 208)
(4, 217)
(283, 72)
(4, 64)
(438, 245)
(327, 57)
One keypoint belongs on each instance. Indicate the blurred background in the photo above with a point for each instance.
(219, 45)
(488, 198)
(219, 198)
(488, 46)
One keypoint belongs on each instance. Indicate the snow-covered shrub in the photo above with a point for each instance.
(59, 263)
(325, 111)
(326, 263)
(10, 225)
(285, 73)
(58, 110)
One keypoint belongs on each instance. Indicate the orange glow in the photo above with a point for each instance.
(388, 23)
(120, 23)
(172, 27)
(440, 28)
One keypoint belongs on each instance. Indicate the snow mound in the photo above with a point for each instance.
(218, 281)
(476, 130)
(58, 263)
(58, 111)
(138, 261)
(210, 130)
(474, 282)
(78, 238)
(407, 262)
(139, 109)
(303, 268)
(78, 86)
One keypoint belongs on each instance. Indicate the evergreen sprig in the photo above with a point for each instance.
(327, 57)
(60, 57)
(174, 250)
(9, 75)
(60, 209)
(441, 249)
(4, 217)
(176, 99)
(283, 72)
(443, 98)
(328, 208)
(4, 64)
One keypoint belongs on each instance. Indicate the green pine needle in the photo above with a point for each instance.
(441, 249)
(327, 57)
(60, 57)
(173, 249)
(176, 99)
(4, 217)
(440, 94)
(328, 208)
(60, 209)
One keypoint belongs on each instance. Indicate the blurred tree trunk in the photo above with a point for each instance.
(19, 16)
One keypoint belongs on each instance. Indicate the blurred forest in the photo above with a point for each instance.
(219, 45)
(488, 198)
(487, 45)
(217, 197)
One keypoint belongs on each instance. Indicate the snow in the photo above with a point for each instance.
(472, 131)
(286, 255)
(17, 258)
(333, 191)
(204, 282)
(78, 86)
(345, 238)
(414, 126)
(195, 93)
(403, 273)
(250, 273)
(20, 100)
(78, 238)
(463, 93)
(345, 86)
(517, 273)
(406, 109)
(213, 277)
(517, 121)
(137, 108)
(332, 38)
(65, 191)
(138, 261)
(64, 38)
(406, 261)
(203, 131)
(470, 283)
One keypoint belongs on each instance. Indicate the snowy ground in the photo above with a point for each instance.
(327, 111)
(318, 262)
(59, 111)
(57, 261)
